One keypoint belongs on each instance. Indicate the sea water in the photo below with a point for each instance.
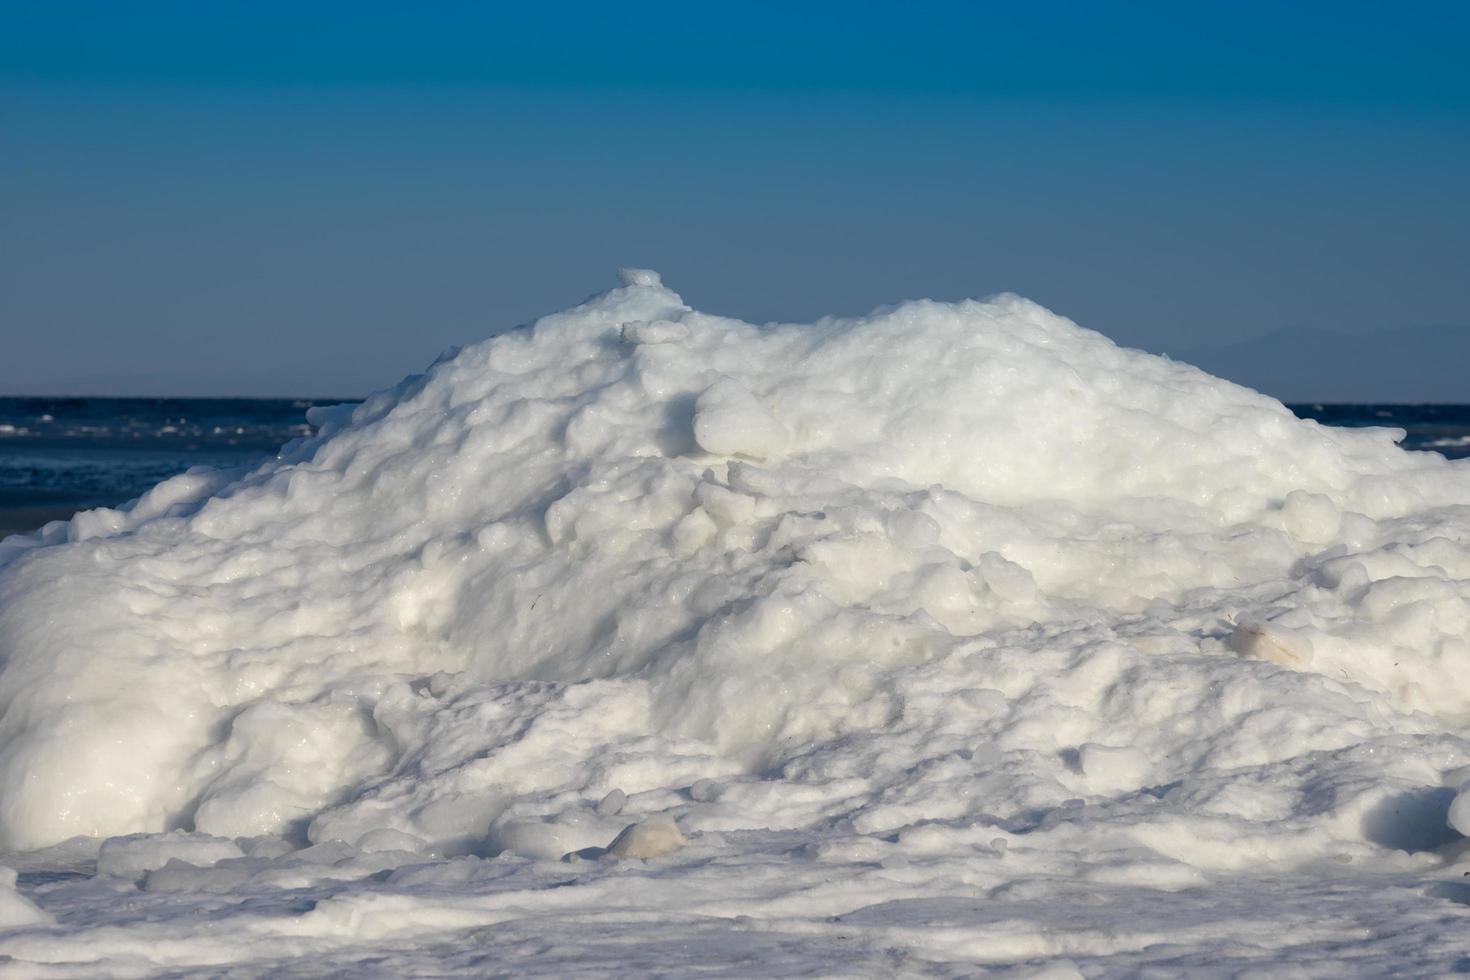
(61, 455)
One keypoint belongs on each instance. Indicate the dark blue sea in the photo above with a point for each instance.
(60, 455)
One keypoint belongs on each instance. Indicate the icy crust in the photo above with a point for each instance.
(909, 587)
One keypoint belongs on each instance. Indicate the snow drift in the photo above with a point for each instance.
(920, 581)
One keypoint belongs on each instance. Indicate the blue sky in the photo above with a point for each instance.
(316, 198)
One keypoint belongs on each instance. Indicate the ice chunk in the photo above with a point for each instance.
(1459, 813)
(16, 910)
(729, 421)
(649, 838)
(132, 856)
(1112, 770)
(549, 839)
(639, 277)
(612, 804)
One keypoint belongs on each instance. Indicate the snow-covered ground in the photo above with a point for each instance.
(949, 639)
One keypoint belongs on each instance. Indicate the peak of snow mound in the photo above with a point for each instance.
(841, 568)
(639, 277)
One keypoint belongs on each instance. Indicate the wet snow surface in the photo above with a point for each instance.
(946, 640)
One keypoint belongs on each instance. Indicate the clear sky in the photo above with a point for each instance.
(316, 198)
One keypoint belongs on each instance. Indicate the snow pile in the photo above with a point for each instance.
(938, 601)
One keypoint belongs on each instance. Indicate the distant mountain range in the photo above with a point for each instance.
(1302, 364)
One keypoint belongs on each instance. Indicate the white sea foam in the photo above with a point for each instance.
(891, 614)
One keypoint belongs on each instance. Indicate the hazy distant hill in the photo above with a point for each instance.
(1301, 364)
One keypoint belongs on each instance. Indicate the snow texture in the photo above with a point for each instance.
(947, 639)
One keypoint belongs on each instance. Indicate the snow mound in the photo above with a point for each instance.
(946, 573)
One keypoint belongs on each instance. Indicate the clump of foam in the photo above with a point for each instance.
(917, 575)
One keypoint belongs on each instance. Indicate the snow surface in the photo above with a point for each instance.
(947, 639)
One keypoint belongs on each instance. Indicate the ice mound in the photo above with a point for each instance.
(929, 579)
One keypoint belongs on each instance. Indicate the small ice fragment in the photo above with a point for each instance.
(725, 506)
(694, 531)
(1459, 815)
(639, 277)
(137, 854)
(15, 909)
(1113, 770)
(265, 846)
(1310, 516)
(729, 419)
(704, 791)
(913, 529)
(612, 804)
(650, 838)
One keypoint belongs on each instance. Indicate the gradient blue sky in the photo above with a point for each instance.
(262, 198)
